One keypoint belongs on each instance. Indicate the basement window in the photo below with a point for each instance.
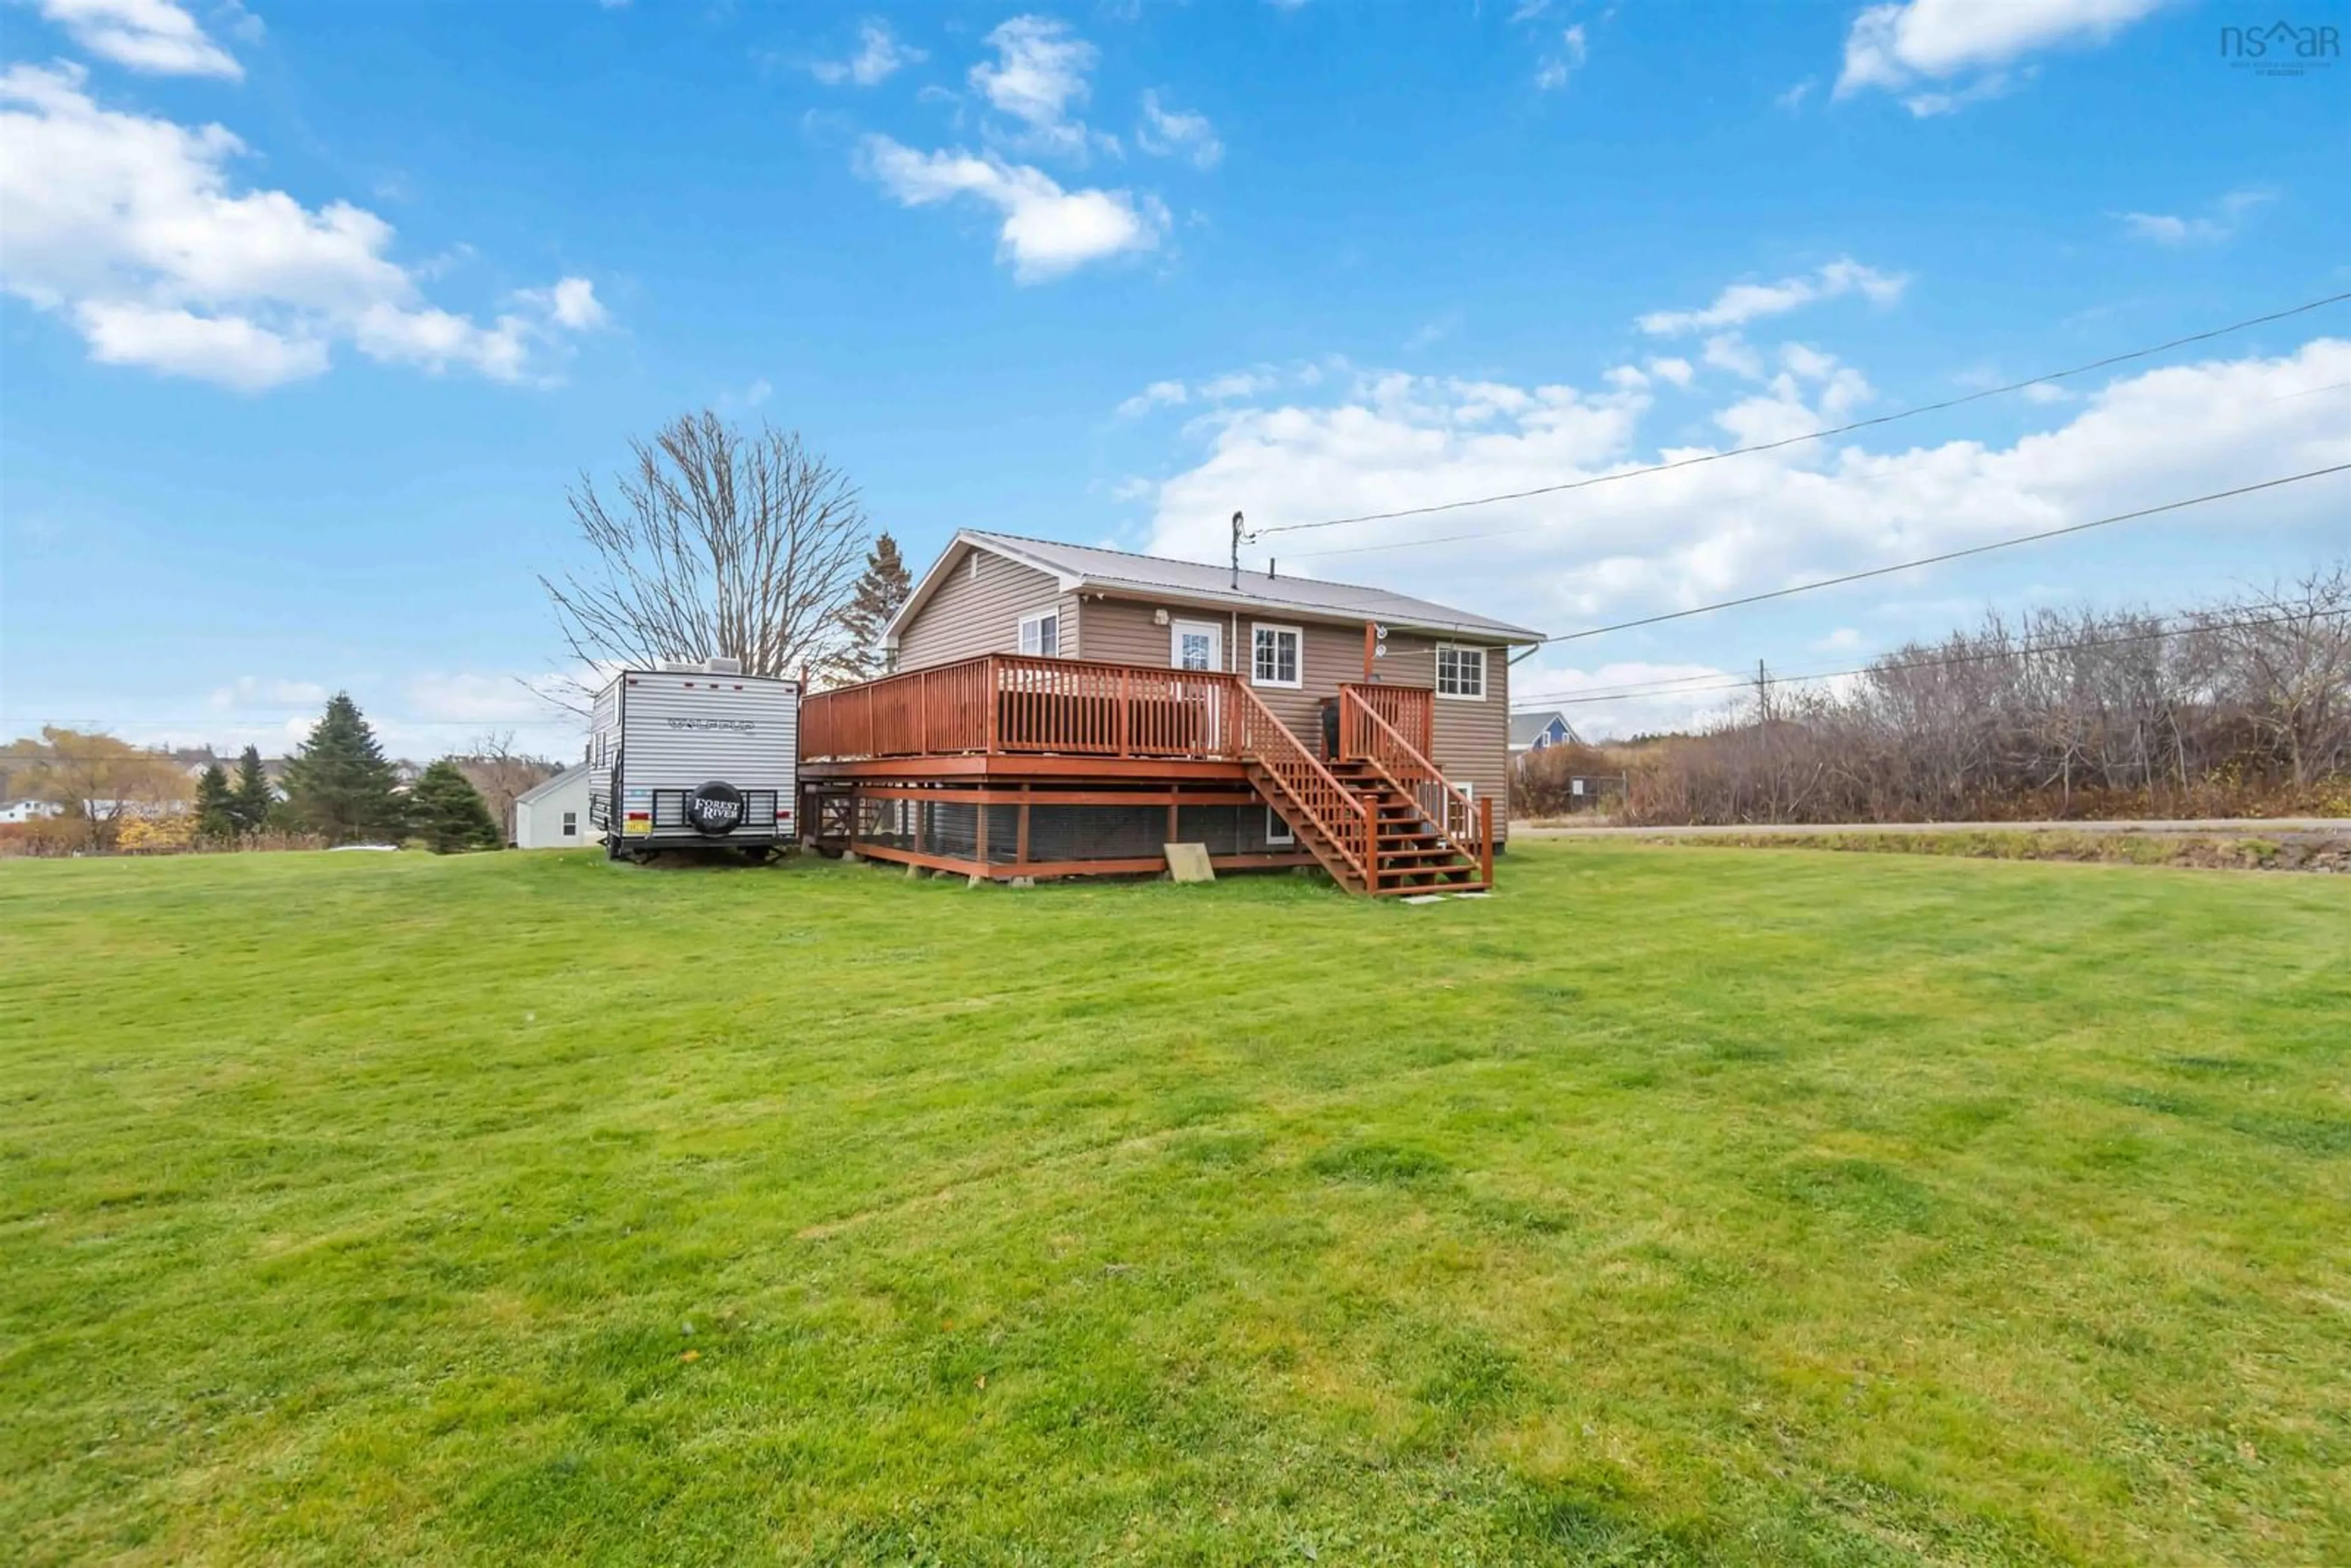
(570, 824)
(1041, 634)
(1461, 672)
(1273, 658)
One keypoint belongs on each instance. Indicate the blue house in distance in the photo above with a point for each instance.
(1533, 732)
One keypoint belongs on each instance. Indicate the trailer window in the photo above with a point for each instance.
(570, 824)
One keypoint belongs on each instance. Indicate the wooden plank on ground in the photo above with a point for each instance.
(1189, 862)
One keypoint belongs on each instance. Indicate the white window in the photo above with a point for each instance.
(1460, 672)
(570, 824)
(1277, 832)
(1274, 655)
(1041, 634)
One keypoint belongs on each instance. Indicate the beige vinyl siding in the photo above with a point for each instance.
(1471, 740)
(1121, 631)
(979, 610)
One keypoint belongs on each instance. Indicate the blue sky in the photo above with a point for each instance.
(312, 311)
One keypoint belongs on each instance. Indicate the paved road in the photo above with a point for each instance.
(2254, 825)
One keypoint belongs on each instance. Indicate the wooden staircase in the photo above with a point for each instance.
(1382, 821)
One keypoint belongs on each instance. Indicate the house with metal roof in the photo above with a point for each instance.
(1059, 708)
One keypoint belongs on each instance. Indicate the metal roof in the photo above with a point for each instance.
(1088, 566)
(547, 785)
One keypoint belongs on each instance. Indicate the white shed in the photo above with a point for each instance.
(554, 816)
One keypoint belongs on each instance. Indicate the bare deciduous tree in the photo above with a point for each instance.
(2239, 708)
(717, 545)
(501, 774)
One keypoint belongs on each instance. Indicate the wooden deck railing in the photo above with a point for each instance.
(1365, 735)
(1410, 710)
(1344, 817)
(1007, 703)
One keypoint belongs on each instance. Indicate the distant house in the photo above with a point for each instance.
(1533, 732)
(552, 816)
(29, 811)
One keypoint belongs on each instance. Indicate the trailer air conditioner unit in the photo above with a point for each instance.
(677, 759)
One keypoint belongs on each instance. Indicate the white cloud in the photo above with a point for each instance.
(1844, 640)
(1168, 133)
(1239, 384)
(1675, 371)
(1733, 352)
(1609, 701)
(248, 693)
(1744, 302)
(1388, 441)
(131, 227)
(227, 349)
(1894, 47)
(1793, 99)
(1047, 231)
(880, 56)
(1038, 76)
(1555, 68)
(1157, 394)
(2164, 228)
(571, 303)
(157, 36)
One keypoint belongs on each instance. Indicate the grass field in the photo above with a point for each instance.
(1673, 1205)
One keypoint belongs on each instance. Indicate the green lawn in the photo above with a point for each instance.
(1673, 1205)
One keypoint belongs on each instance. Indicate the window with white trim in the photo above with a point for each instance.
(1275, 654)
(1277, 832)
(1041, 634)
(1460, 672)
(570, 824)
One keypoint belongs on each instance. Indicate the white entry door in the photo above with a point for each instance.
(1195, 645)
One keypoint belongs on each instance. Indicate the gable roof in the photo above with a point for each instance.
(1079, 567)
(549, 785)
(1527, 727)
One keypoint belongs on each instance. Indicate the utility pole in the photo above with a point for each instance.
(1237, 552)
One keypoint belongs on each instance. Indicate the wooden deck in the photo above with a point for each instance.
(1006, 730)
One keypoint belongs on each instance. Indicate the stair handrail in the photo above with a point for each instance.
(1385, 747)
(1347, 824)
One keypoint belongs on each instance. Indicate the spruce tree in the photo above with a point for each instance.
(448, 813)
(880, 593)
(216, 816)
(252, 801)
(339, 784)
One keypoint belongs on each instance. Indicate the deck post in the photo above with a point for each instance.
(1486, 839)
(1125, 714)
(1020, 832)
(993, 703)
(979, 830)
(1175, 822)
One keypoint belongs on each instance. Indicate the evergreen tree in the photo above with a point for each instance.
(252, 801)
(879, 592)
(339, 784)
(448, 813)
(216, 817)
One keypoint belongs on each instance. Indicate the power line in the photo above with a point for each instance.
(1683, 688)
(1870, 422)
(1937, 560)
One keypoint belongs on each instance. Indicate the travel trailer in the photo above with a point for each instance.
(689, 756)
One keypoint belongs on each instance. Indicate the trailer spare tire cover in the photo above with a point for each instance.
(715, 808)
